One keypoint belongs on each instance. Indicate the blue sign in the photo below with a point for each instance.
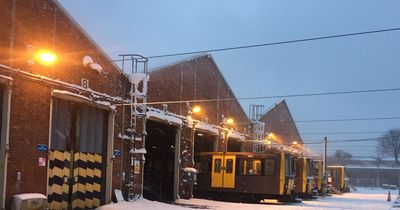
(42, 147)
(116, 153)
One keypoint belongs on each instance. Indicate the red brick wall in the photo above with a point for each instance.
(196, 79)
(30, 100)
(279, 121)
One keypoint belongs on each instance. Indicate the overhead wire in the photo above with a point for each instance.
(345, 133)
(348, 119)
(273, 96)
(271, 43)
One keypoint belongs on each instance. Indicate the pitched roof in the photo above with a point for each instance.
(86, 35)
(282, 103)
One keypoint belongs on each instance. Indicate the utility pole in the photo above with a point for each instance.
(325, 154)
(324, 172)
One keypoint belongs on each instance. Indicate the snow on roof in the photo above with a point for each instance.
(161, 115)
(95, 94)
(207, 127)
(84, 98)
(236, 135)
(6, 77)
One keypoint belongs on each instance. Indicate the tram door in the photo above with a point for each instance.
(223, 171)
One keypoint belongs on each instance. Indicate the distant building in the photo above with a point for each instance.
(371, 176)
(279, 124)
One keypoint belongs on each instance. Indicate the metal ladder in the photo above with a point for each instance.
(136, 129)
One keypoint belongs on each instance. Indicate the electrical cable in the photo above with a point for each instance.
(271, 43)
(348, 119)
(274, 96)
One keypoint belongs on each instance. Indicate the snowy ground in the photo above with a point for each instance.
(363, 198)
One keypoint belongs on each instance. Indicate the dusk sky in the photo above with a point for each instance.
(341, 64)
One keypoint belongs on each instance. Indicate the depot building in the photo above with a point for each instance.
(73, 127)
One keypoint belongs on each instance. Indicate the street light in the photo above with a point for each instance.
(229, 121)
(193, 111)
(196, 109)
(45, 57)
(294, 143)
(270, 136)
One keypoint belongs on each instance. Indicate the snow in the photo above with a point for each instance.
(236, 135)
(124, 136)
(161, 115)
(206, 127)
(138, 151)
(363, 199)
(136, 78)
(5, 77)
(67, 93)
(93, 93)
(97, 67)
(141, 204)
(188, 169)
(28, 196)
(86, 60)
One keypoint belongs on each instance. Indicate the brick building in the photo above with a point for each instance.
(63, 125)
(175, 89)
(280, 124)
(57, 122)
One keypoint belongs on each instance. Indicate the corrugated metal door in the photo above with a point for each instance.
(77, 156)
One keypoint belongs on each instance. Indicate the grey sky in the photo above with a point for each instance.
(363, 62)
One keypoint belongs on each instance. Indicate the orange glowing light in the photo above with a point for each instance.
(46, 57)
(196, 109)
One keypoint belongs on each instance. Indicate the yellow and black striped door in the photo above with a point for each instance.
(77, 163)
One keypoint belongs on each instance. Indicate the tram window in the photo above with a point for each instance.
(309, 168)
(250, 167)
(217, 166)
(269, 167)
(290, 166)
(229, 166)
(257, 167)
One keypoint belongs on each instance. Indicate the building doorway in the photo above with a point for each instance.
(78, 151)
(159, 168)
(204, 142)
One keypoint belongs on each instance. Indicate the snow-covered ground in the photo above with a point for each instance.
(363, 198)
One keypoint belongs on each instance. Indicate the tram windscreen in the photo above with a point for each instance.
(288, 166)
(310, 168)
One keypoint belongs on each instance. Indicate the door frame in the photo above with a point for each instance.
(109, 139)
(176, 164)
(4, 139)
(229, 178)
(223, 183)
(220, 182)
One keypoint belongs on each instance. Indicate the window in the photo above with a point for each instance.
(310, 168)
(269, 167)
(290, 166)
(229, 166)
(250, 167)
(217, 165)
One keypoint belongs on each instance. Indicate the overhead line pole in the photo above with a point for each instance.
(325, 174)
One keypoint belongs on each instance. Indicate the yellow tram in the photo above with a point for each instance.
(304, 177)
(337, 178)
(245, 176)
(318, 175)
